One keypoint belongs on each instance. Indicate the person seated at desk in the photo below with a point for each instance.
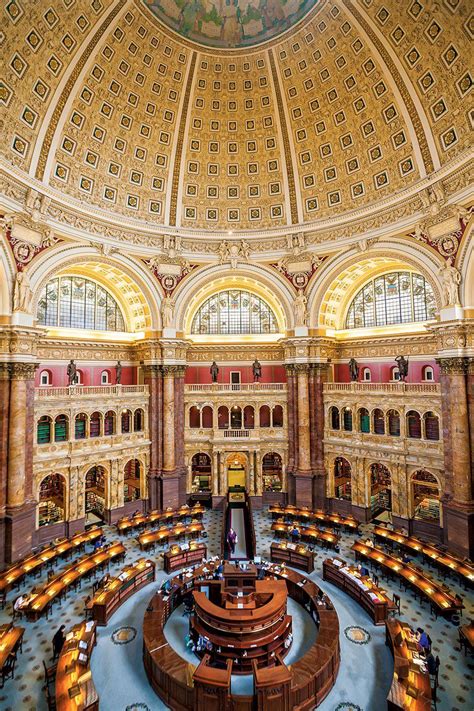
(423, 640)
(218, 573)
(406, 559)
(295, 534)
(58, 641)
(431, 663)
(166, 586)
(404, 531)
(21, 602)
(369, 542)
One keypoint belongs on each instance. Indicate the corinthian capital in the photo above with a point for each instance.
(453, 366)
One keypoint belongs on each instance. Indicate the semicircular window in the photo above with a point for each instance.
(75, 302)
(234, 312)
(398, 297)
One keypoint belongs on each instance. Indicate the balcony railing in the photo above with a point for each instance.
(236, 434)
(392, 388)
(78, 391)
(232, 387)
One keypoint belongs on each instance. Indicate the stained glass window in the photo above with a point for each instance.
(75, 302)
(398, 297)
(234, 311)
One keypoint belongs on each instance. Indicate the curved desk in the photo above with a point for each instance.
(308, 680)
(116, 590)
(411, 688)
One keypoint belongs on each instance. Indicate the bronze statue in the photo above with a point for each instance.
(354, 369)
(72, 373)
(402, 363)
(214, 370)
(256, 370)
(118, 373)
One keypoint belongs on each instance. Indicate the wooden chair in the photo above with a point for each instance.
(8, 669)
(3, 599)
(436, 681)
(397, 602)
(50, 699)
(49, 673)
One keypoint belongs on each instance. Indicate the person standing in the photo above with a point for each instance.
(58, 641)
(232, 539)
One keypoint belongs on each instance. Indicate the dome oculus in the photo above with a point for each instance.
(230, 23)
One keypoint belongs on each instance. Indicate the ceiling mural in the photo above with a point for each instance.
(230, 23)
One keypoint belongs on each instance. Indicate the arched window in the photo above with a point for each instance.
(249, 417)
(80, 426)
(223, 417)
(395, 373)
(380, 489)
(200, 473)
(364, 420)
(334, 418)
(398, 297)
(272, 472)
(234, 311)
(43, 430)
(264, 416)
(131, 480)
(206, 417)
(347, 419)
(138, 420)
(366, 375)
(428, 374)
(52, 496)
(413, 425)
(277, 415)
(342, 479)
(393, 423)
(95, 493)
(109, 423)
(126, 421)
(105, 377)
(95, 424)
(425, 492)
(379, 422)
(61, 427)
(75, 302)
(45, 378)
(194, 417)
(431, 423)
(235, 417)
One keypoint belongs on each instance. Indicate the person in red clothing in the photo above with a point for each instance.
(232, 539)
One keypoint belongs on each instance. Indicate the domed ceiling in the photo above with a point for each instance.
(230, 23)
(362, 99)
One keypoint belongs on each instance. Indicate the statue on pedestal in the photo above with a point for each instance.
(118, 373)
(22, 293)
(402, 363)
(451, 279)
(72, 373)
(167, 308)
(214, 371)
(256, 370)
(354, 369)
(299, 306)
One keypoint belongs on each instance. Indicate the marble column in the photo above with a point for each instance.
(457, 499)
(21, 506)
(4, 420)
(302, 476)
(291, 417)
(470, 407)
(317, 377)
(153, 378)
(179, 431)
(215, 473)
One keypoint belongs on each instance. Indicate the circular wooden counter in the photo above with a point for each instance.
(309, 679)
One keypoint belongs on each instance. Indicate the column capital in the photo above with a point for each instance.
(453, 366)
(175, 371)
(152, 370)
(18, 371)
(301, 368)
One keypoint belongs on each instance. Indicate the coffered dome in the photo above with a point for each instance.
(105, 105)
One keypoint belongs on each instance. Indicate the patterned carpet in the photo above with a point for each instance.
(366, 663)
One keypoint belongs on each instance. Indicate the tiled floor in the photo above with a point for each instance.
(363, 679)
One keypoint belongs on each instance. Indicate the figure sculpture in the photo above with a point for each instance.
(402, 363)
(354, 369)
(214, 370)
(167, 308)
(256, 370)
(118, 373)
(72, 373)
(22, 293)
(300, 308)
(451, 278)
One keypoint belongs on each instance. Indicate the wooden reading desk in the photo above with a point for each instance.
(116, 590)
(464, 570)
(466, 637)
(75, 690)
(40, 599)
(179, 557)
(360, 587)
(23, 567)
(296, 555)
(440, 599)
(162, 535)
(129, 522)
(410, 689)
(318, 515)
(309, 533)
(10, 641)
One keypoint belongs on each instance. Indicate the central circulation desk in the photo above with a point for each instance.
(308, 533)
(411, 688)
(374, 601)
(129, 522)
(439, 598)
(464, 570)
(116, 590)
(39, 601)
(162, 535)
(317, 516)
(28, 565)
(75, 690)
(292, 554)
(310, 678)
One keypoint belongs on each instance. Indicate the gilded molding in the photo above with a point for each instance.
(453, 366)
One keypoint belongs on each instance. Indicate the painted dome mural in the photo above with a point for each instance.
(230, 23)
